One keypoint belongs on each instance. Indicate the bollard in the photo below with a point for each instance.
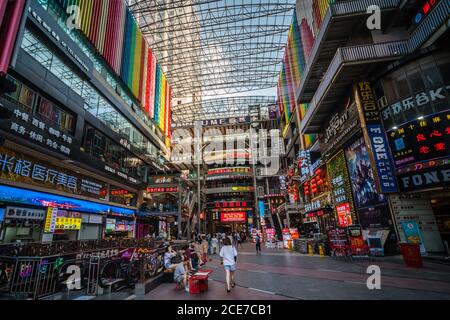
(310, 249)
(321, 251)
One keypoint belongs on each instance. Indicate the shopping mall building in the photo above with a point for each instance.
(76, 129)
(367, 119)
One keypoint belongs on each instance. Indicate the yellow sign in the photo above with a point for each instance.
(244, 189)
(63, 223)
(50, 220)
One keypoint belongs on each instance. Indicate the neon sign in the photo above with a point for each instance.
(424, 11)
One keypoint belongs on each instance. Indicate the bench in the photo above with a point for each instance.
(168, 276)
(111, 283)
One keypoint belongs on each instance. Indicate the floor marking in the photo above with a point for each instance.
(272, 293)
(257, 271)
(85, 298)
(354, 282)
(132, 297)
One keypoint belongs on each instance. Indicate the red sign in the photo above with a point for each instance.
(163, 190)
(233, 217)
(233, 204)
(119, 192)
(229, 170)
(344, 215)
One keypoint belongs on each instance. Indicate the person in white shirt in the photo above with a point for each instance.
(228, 256)
(215, 245)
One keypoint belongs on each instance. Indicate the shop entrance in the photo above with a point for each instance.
(441, 208)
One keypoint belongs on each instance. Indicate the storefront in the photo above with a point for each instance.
(414, 100)
(63, 219)
(357, 199)
(30, 185)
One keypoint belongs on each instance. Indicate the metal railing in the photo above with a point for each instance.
(377, 52)
(25, 277)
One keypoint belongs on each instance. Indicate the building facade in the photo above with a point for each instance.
(85, 123)
(367, 107)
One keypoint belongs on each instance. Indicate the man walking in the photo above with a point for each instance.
(258, 244)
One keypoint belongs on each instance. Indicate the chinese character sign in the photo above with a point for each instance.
(425, 139)
(375, 137)
(18, 167)
(340, 181)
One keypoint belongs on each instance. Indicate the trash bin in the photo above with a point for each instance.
(411, 255)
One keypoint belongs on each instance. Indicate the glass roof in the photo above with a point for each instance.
(214, 48)
(220, 108)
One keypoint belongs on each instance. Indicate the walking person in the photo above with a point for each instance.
(258, 244)
(228, 255)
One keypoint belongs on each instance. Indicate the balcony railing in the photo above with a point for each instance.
(374, 53)
(336, 10)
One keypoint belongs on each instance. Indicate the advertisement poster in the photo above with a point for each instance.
(413, 234)
(286, 237)
(342, 191)
(361, 175)
(373, 208)
(344, 215)
(270, 232)
(294, 233)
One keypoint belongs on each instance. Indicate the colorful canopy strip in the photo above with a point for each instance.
(304, 28)
(112, 29)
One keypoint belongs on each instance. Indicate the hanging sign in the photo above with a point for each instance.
(375, 137)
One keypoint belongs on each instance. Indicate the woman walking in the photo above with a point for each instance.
(228, 255)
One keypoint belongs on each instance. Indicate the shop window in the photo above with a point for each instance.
(55, 116)
(414, 77)
(27, 98)
(443, 64)
(389, 88)
(430, 73)
(401, 84)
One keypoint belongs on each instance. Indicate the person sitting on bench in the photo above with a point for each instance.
(181, 274)
(168, 255)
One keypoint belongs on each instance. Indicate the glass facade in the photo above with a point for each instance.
(113, 154)
(103, 70)
(41, 108)
(94, 101)
(415, 90)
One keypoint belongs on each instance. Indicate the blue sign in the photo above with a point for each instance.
(383, 159)
(262, 209)
(22, 196)
(413, 234)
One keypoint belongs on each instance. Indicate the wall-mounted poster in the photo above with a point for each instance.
(373, 208)
(361, 175)
(341, 188)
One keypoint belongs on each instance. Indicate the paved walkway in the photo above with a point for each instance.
(278, 274)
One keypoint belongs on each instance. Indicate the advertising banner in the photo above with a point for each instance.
(341, 189)
(413, 234)
(372, 207)
(375, 137)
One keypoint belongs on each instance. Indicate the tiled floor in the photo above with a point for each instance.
(278, 274)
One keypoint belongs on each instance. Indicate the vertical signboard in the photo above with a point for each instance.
(50, 220)
(375, 137)
(342, 192)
